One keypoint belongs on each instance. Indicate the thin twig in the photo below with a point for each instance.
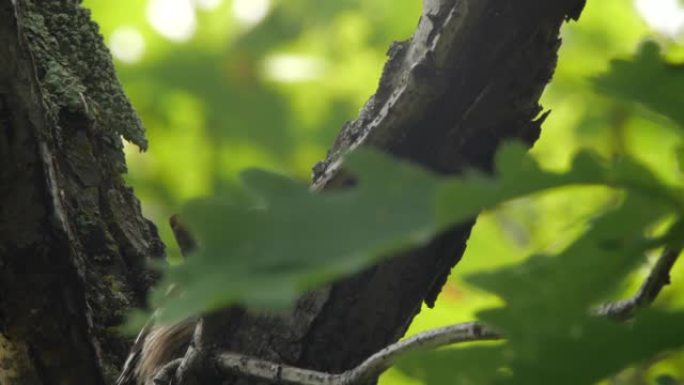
(382, 360)
(374, 365)
(649, 290)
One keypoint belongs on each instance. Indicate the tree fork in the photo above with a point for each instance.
(470, 78)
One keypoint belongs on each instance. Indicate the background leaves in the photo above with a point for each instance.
(647, 79)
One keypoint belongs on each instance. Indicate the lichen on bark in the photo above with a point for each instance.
(73, 241)
(75, 68)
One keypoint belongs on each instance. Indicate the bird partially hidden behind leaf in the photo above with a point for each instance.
(157, 345)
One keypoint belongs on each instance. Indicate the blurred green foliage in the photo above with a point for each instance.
(240, 92)
(648, 80)
(234, 96)
(285, 239)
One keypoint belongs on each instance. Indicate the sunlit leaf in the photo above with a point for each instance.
(290, 239)
(267, 250)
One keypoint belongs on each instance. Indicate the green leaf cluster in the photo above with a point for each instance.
(282, 239)
(649, 80)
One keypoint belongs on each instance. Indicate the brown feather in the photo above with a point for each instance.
(162, 345)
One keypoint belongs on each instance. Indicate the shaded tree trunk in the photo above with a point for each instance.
(73, 241)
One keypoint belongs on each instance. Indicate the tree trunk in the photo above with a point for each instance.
(73, 241)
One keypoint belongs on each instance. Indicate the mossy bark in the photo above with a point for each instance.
(73, 242)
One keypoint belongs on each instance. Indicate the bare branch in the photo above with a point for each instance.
(649, 290)
(382, 360)
(375, 364)
(235, 363)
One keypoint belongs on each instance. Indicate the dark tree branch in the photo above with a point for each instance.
(371, 367)
(658, 277)
(469, 78)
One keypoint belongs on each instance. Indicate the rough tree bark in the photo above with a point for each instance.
(73, 241)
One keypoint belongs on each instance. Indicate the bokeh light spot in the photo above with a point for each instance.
(665, 16)
(127, 44)
(208, 5)
(251, 12)
(173, 19)
(288, 68)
